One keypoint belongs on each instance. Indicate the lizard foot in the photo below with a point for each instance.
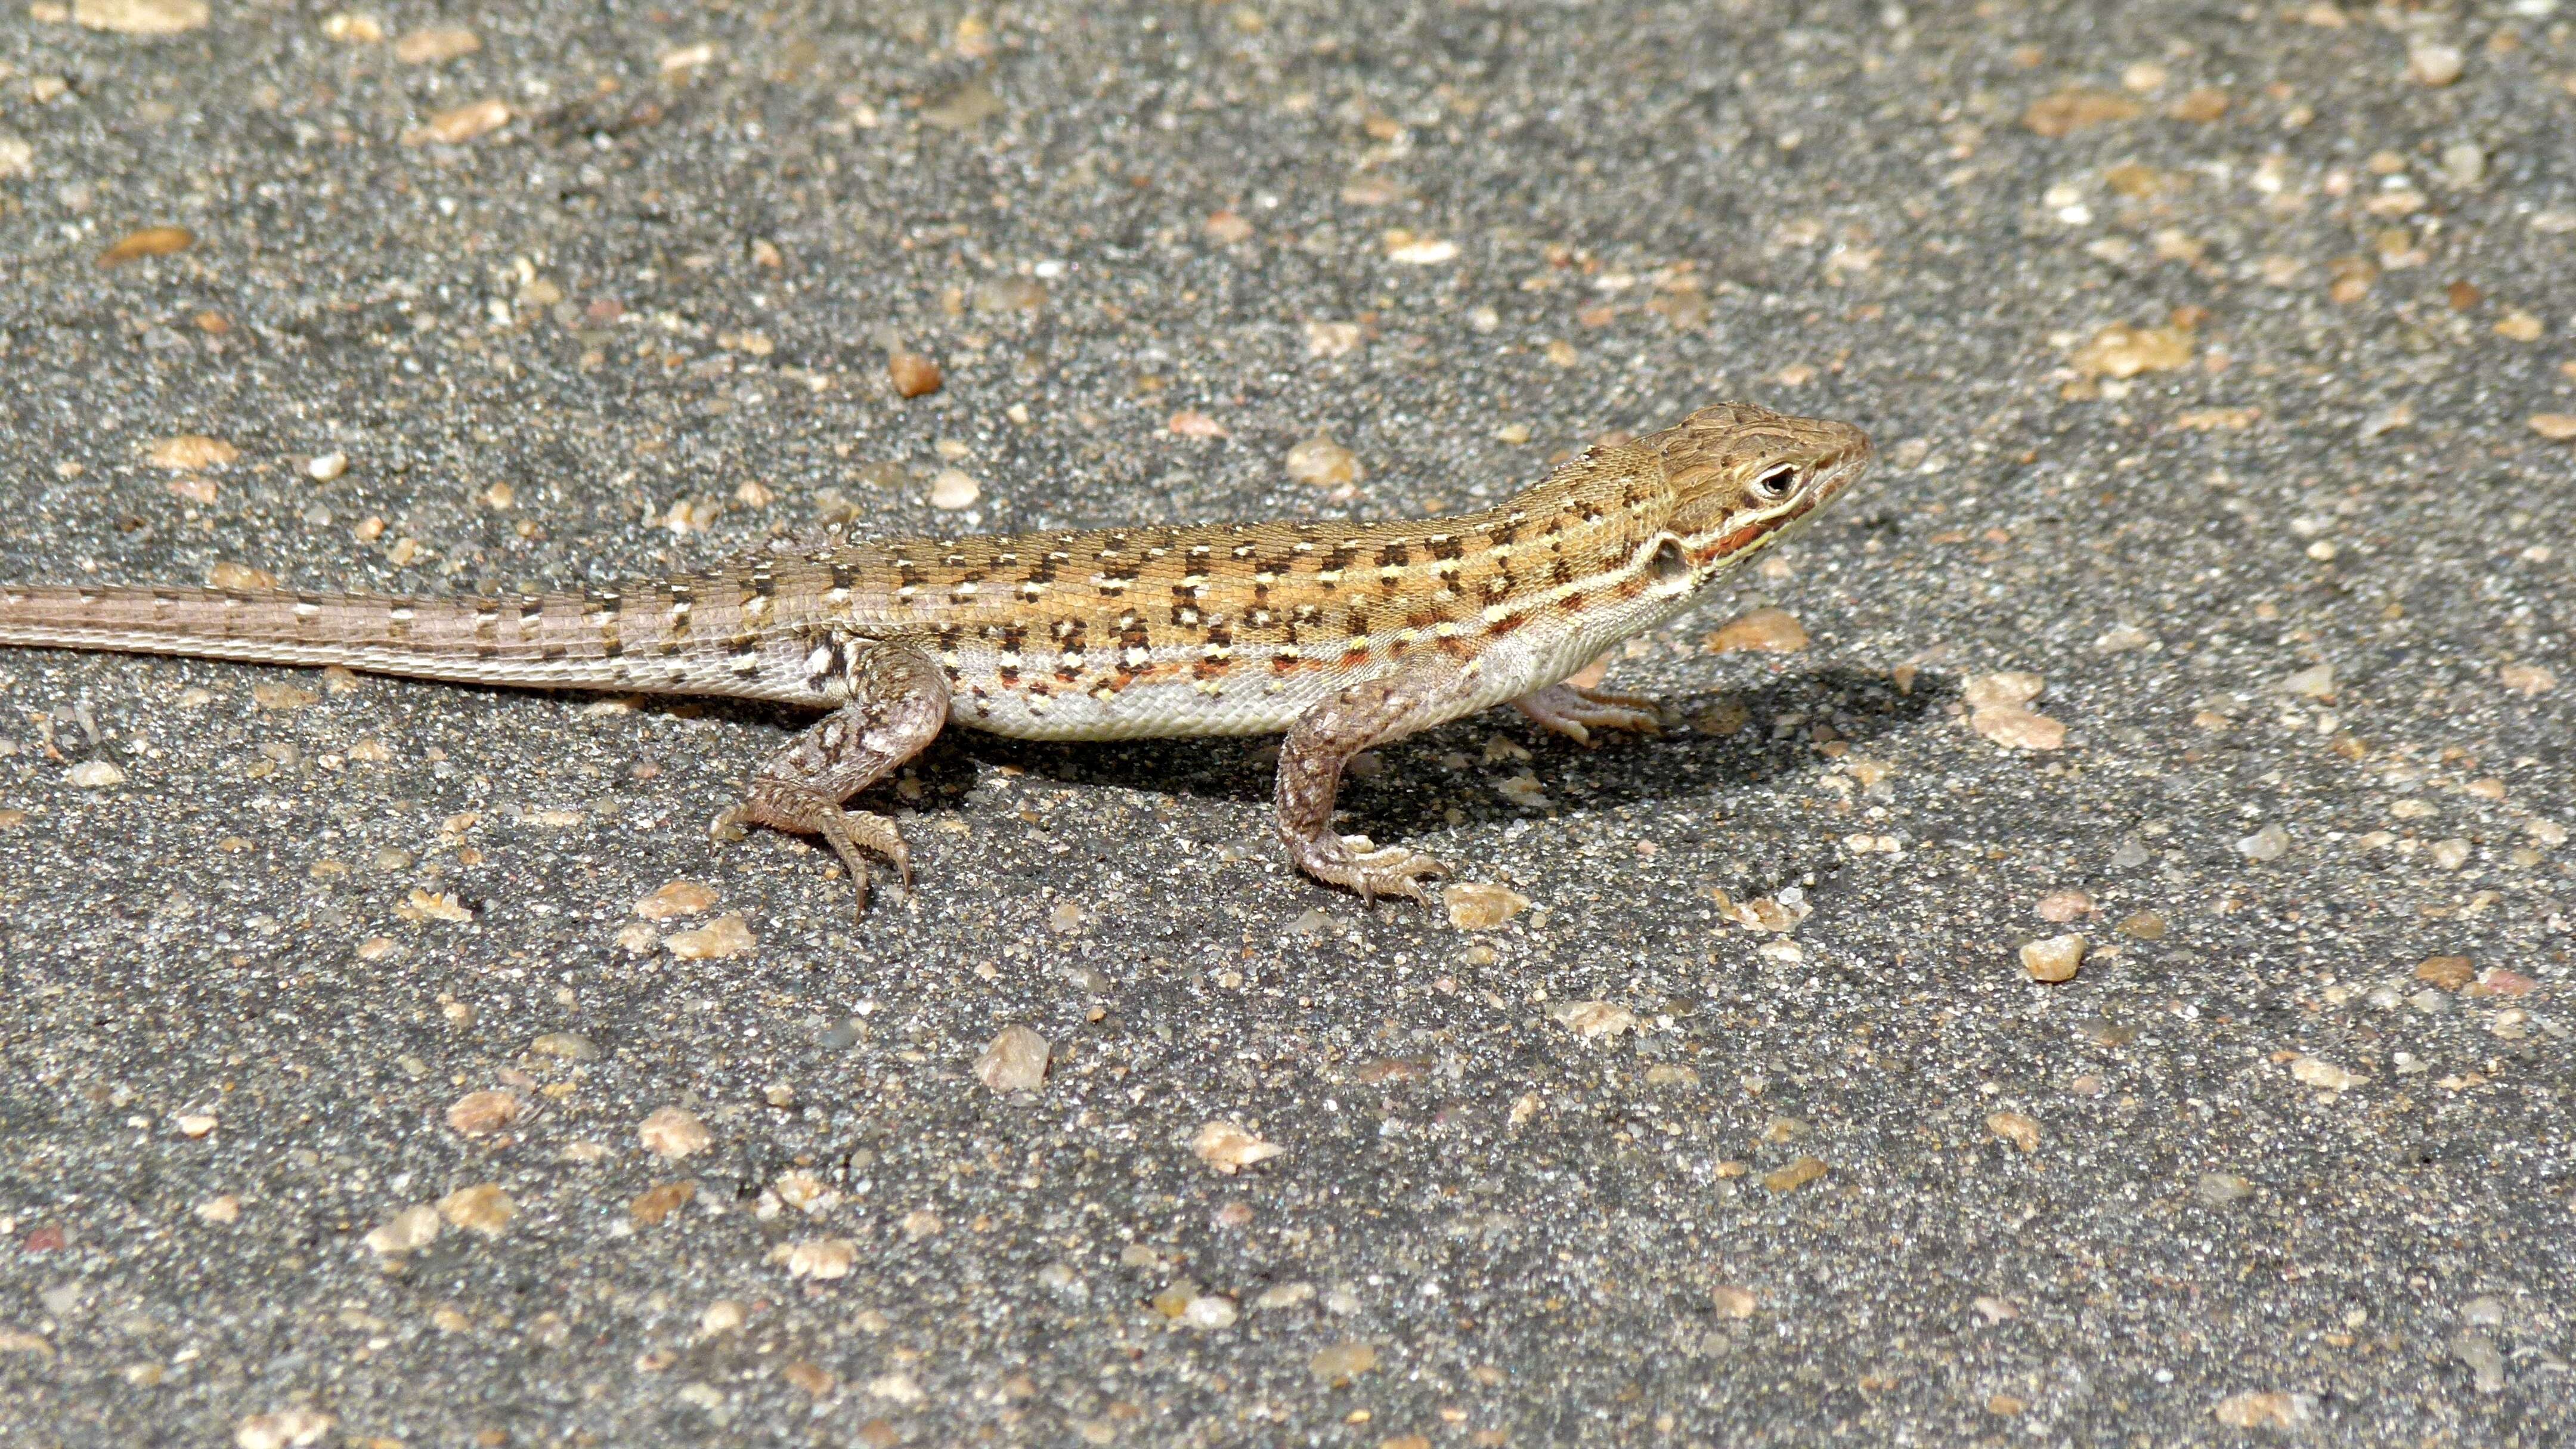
(1357, 863)
(1575, 712)
(848, 832)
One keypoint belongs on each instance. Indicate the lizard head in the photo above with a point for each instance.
(1744, 477)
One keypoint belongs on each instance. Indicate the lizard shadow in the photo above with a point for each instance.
(1735, 739)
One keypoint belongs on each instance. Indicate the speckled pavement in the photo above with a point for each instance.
(2220, 361)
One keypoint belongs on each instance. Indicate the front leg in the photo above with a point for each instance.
(1575, 711)
(898, 700)
(1323, 739)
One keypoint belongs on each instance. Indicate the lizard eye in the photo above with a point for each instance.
(1774, 484)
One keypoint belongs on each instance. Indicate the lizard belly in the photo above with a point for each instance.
(1157, 709)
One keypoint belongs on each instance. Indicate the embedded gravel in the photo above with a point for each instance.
(2095, 969)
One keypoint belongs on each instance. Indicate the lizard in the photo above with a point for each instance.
(1341, 636)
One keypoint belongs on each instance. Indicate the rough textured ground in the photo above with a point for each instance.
(2267, 1168)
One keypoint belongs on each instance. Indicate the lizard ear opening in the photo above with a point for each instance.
(1670, 565)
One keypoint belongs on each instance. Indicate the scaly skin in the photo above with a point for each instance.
(1341, 635)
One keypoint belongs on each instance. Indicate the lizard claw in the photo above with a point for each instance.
(1358, 864)
(1576, 712)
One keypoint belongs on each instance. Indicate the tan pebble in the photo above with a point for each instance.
(2144, 77)
(1322, 462)
(141, 17)
(1994, 1310)
(659, 1201)
(434, 44)
(413, 1228)
(425, 905)
(2450, 973)
(954, 488)
(1346, 1360)
(565, 1046)
(484, 1208)
(229, 575)
(2060, 907)
(2144, 926)
(2433, 64)
(1773, 631)
(1667, 1074)
(352, 28)
(2120, 351)
(676, 898)
(914, 375)
(683, 59)
(673, 1132)
(461, 124)
(2054, 959)
(803, 1191)
(1067, 918)
(2201, 106)
(220, 1210)
(1592, 1020)
(1229, 1148)
(1733, 1302)
(95, 775)
(189, 452)
(921, 1223)
(2260, 1410)
(479, 1114)
(282, 697)
(2556, 427)
(2520, 326)
(287, 1428)
(1227, 227)
(2071, 110)
(2267, 844)
(1209, 1311)
(721, 1317)
(194, 1124)
(896, 1388)
(1015, 1061)
(1334, 339)
(1406, 249)
(2317, 1072)
(1778, 915)
(724, 937)
(813, 1379)
(2527, 679)
(1794, 1176)
(1195, 424)
(2015, 1128)
(150, 241)
(1478, 907)
(2011, 687)
(819, 1258)
(11, 817)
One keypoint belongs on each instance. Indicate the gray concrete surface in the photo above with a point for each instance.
(2256, 1174)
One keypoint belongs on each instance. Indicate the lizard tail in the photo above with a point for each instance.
(545, 641)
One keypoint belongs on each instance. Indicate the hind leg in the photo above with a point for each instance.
(896, 707)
